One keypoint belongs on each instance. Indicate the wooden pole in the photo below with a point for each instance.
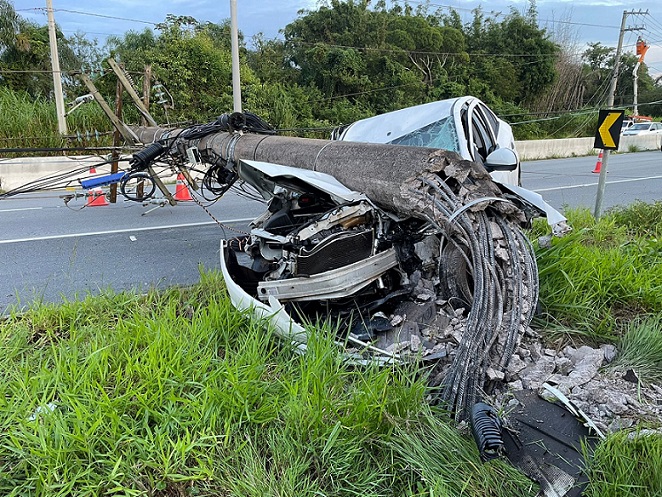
(117, 141)
(147, 90)
(121, 75)
(126, 132)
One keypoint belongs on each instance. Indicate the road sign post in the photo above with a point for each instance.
(607, 137)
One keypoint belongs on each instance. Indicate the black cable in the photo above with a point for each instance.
(198, 131)
(42, 184)
(255, 124)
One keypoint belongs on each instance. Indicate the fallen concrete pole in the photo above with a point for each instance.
(382, 172)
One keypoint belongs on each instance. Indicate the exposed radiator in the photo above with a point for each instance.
(335, 251)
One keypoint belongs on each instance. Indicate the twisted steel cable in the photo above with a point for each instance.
(505, 289)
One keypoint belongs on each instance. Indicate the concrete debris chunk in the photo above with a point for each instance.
(613, 398)
(494, 374)
(609, 352)
(515, 365)
(534, 375)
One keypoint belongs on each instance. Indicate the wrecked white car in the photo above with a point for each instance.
(403, 253)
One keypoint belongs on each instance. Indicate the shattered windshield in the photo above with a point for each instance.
(440, 134)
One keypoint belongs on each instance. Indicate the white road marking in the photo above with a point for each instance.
(538, 190)
(22, 209)
(126, 230)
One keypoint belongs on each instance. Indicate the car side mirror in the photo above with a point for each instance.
(502, 159)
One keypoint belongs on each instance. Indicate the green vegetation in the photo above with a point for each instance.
(641, 348)
(176, 393)
(595, 280)
(636, 457)
(26, 122)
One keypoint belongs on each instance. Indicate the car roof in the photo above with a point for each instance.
(389, 126)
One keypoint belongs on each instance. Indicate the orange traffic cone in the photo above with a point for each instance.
(598, 165)
(96, 198)
(181, 190)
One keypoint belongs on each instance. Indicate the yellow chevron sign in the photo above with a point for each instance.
(609, 129)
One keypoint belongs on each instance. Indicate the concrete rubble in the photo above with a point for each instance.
(613, 397)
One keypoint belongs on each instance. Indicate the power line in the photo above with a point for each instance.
(92, 14)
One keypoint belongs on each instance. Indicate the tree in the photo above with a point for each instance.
(190, 60)
(516, 52)
(268, 60)
(9, 23)
(380, 59)
(27, 62)
(600, 61)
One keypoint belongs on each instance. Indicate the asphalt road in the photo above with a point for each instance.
(50, 251)
(572, 183)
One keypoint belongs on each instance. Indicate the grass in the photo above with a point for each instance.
(639, 219)
(175, 393)
(636, 458)
(603, 274)
(29, 123)
(640, 348)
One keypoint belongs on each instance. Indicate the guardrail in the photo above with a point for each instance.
(579, 147)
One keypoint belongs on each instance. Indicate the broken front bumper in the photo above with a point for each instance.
(273, 313)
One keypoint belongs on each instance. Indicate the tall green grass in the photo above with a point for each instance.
(176, 393)
(596, 279)
(639, 219)
(29, 123)
(640, 348)
(626, 465)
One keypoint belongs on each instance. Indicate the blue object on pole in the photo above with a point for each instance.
(102, 180)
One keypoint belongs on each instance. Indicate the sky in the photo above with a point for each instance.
(575, 22)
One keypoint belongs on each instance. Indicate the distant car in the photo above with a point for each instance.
(626, 125)
(464, 125)
(640, 129)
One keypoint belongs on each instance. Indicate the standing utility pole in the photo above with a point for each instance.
(642, 48)
(610, 105)
(234, 35)
(57, 75)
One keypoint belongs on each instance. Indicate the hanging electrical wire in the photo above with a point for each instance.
(56, 181)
